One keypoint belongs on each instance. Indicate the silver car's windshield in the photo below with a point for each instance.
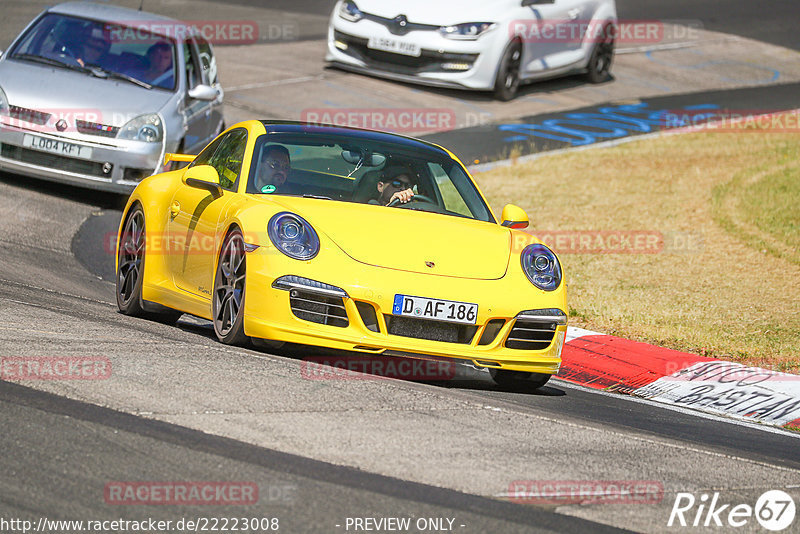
(355, 169)
(102, 49)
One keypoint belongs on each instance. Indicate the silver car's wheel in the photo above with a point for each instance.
(229, 287)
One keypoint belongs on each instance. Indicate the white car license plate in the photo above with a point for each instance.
(393, 45)
(439, 310)
(57, 147)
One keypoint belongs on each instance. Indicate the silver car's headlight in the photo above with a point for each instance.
(3, 101)
(541, 267)
(293, 235)
(348, 10)
(469, 31)
(146, 128)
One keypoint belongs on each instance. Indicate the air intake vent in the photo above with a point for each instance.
(317, 308)
(430, 330)
(93, 128)
(29, 115)
(531, 335)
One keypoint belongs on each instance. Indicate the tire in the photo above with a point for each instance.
(227, 305)
(507, 82)
(519, 379)
(599, 68)
(130, 271)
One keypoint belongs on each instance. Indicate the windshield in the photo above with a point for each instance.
(118, 50)
(353, 169)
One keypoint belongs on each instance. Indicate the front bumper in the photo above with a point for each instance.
(115, 165)
(441, 63)
(360, 318)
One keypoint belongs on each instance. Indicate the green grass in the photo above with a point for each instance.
(734, 294)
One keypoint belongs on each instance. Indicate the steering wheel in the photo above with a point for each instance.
(417, 198)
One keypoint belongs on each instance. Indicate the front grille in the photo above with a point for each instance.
(94, 128)
(531, 335)
(428, 60)
(318, 308)
(29, 115)
(430, 330)
(54, 161)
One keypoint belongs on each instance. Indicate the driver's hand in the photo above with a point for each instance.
(403, 196)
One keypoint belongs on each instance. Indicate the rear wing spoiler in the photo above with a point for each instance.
(178, 157)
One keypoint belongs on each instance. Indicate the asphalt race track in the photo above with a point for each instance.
(180, 407)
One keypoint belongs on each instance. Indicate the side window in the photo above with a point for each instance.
(192, 76)
(204, 156)
(228, 156)
(207, 61)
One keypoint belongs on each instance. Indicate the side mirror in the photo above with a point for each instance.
(514, 217)
(203, 177)
(203, 92)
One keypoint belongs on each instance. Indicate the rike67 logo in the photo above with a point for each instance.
(774, 510)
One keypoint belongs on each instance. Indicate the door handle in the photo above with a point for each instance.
(174, 209)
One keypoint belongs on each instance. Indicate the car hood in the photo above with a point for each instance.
(76, 94)
(407, 240)
(439, 13)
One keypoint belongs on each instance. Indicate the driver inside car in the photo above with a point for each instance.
(396, 183)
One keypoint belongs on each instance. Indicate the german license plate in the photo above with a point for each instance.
(57, 147)
(393, 45)
(438, 310)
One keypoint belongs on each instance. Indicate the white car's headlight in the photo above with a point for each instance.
(467, 31)
(146, 128)
(348, 10)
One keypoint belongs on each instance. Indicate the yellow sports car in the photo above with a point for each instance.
(346, 239)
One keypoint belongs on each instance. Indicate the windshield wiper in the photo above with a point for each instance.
(320, 197)
(49, 61)
(100, 72)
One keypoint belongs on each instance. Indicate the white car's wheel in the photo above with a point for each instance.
(599, 68)
(508, 74)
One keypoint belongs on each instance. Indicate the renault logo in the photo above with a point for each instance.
(61, 125)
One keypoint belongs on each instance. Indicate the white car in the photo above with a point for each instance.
(474, 44)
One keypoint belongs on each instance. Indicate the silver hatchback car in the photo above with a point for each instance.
(95, 95)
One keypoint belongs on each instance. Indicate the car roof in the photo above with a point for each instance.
(276, 126)
(109, 13)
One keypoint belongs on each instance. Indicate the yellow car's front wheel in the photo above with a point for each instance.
(229, 288)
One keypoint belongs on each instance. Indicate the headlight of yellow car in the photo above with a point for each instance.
(541, 267)
(293, 235)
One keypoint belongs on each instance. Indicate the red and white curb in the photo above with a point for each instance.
(680, 379)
